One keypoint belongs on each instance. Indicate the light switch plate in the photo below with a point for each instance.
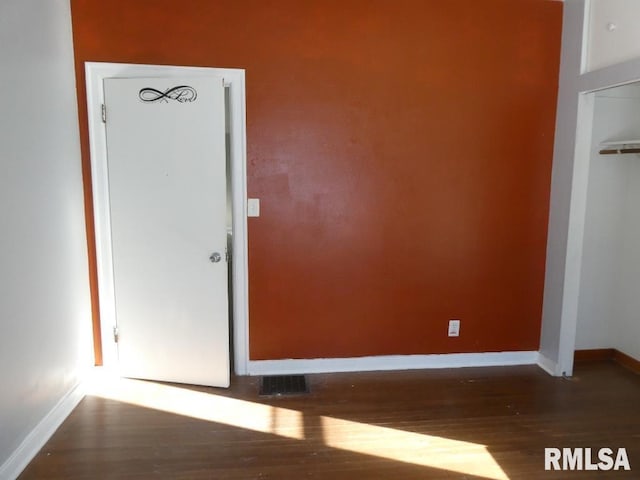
(253, 207)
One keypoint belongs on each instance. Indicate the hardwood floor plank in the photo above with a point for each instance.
(446, 424)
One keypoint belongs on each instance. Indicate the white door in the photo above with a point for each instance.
(167, 195)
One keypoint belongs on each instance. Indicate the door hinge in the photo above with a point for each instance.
(116, 334)
(227, 255)
(104, 113)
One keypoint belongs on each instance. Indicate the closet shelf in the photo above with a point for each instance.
(621, 146)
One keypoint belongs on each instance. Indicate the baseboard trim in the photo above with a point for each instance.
(548, 365)
(593, 355)
(36, 439)
(600, 354)
(390, 362)
(626, 361)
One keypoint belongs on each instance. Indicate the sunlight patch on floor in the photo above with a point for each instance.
(203, 406)
(398, 445)
(409, 447)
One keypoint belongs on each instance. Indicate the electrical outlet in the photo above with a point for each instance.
(454, 328)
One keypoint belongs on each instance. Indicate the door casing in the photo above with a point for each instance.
(96, 72)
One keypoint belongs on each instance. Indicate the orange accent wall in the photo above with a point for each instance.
(401, 151)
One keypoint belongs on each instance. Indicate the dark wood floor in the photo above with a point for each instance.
(442, 424)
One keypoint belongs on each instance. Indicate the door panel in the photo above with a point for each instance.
(167, 188)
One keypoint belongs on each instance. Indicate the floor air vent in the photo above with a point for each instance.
(283, 385)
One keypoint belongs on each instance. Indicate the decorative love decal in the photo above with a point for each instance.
(182, 94)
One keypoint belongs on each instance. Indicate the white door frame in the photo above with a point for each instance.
(96, 72)
(569, 185)
(587, 86)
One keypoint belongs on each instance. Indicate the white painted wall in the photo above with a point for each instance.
(614, 36)
(44, 298)
(610, 262)
(627, 315)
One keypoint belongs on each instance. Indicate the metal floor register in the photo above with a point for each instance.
(283, 385)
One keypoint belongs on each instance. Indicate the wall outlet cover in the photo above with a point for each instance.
(454, 328)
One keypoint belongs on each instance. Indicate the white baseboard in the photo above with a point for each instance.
(548, 365)
(391, 362)
(36, 439)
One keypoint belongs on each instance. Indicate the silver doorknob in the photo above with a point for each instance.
(215, 257)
